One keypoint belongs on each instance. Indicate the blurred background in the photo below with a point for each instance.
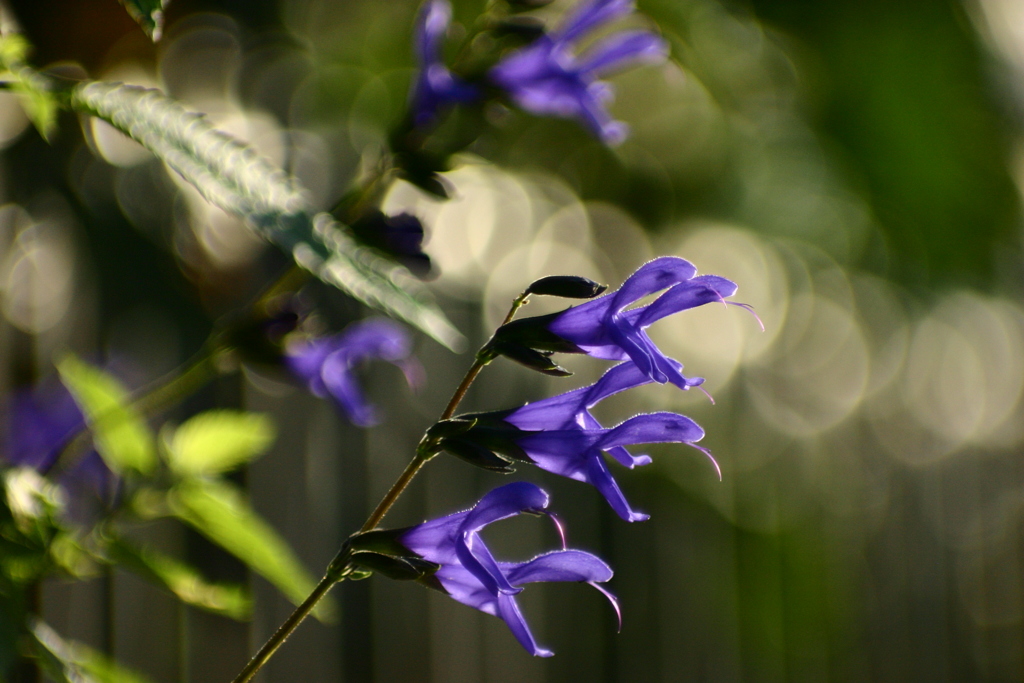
(856, 166)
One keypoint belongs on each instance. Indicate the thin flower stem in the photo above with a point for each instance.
(286, 629)
(395, 491)
(467, 381)
(338, 569)
(168, 393)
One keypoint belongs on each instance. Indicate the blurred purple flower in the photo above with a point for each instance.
(471, 575)
(37, 425)
(604, 328)
(547, 77)
(328, 365)
(435, 87)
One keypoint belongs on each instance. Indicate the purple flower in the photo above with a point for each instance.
(549, 79)
(470, 574)
(328, 365)
(604, 328)
(435, 87)
(560, 435)
(37, 425)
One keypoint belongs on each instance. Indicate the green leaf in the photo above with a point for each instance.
(232, 176)
(14, 49)
(66, 661)
(220, 512)
(34, 91)
(218, 440)
(149, 14)
(39, 103)
(182, 580)
(121, 435)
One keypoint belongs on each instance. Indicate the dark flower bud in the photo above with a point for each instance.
(566, 286)
(383, 541)
(450, 428)
(420, 168)
(258, 336)
(398, 568)
(524, 29)
(379, 551)
(535, 360)
(527, 5)
(490, 442)
(533, 333)
(477, 454)
(399, 237)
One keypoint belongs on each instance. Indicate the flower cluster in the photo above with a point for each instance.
(549, 76)
(607, 328)
(558, 434)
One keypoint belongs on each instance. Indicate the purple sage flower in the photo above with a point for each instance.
(548, 78)
(435, 87)
(328, 364)
(560, 435)
(605, 327)
(37, 424)
(571, 412)
(470, 574)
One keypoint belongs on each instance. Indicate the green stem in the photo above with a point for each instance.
(191, 379)
(410, 471)
(286, 629)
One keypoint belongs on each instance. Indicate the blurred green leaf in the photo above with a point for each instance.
(149, 14)
(232, 176)
(33, 90)
(121, 435)
(68, 554)
(218, 440)
(66, 661)
(182, 580)
(220, 512)
(40, 104)
(14, 48)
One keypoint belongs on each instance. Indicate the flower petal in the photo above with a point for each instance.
(477, 559)
(376, 338)
(652, 428)
(435, 540)
(589, 15)
(561, 565)
(508, 610)
(618, 378)
(697, 292)
(504, 502)
(340, 382)
(431, 25)
(622, 50)
(555, 412)
(599, 476)
(652, 277)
